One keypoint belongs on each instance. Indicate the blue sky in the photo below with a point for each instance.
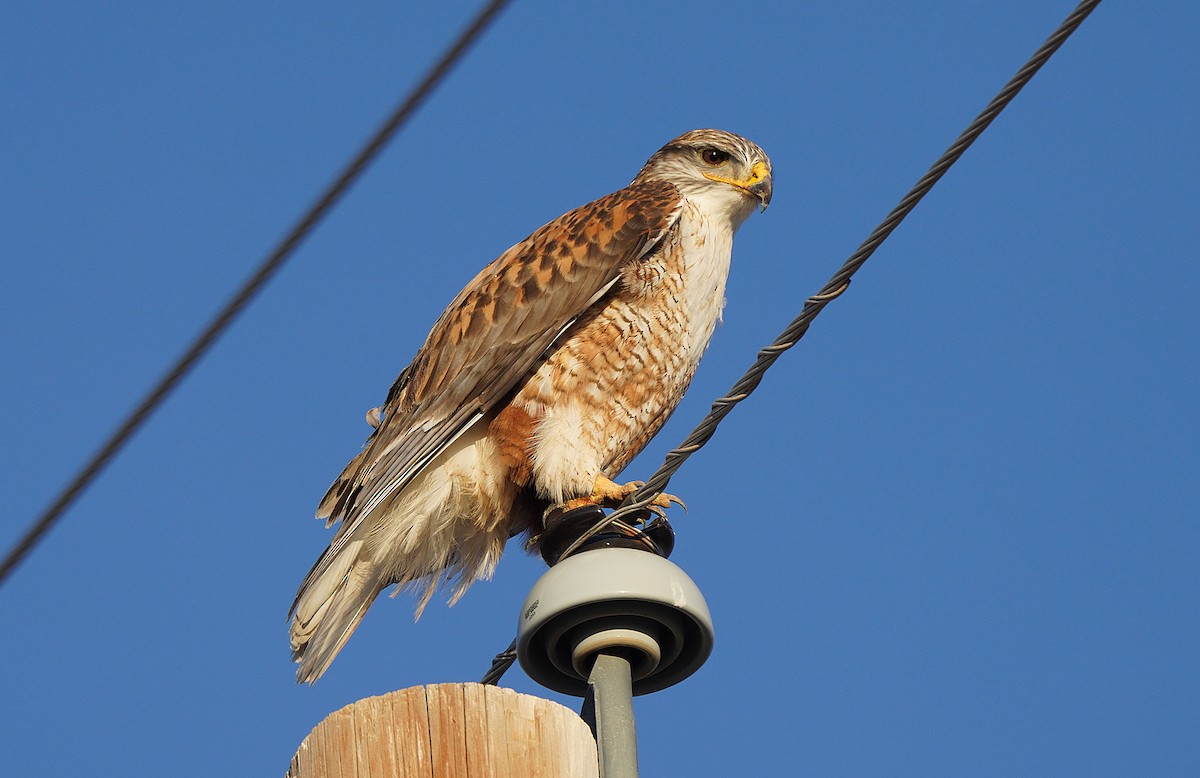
(954, 533)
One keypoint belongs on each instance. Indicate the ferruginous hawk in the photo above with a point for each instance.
(540, 381)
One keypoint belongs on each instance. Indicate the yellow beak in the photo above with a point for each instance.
(757, 184)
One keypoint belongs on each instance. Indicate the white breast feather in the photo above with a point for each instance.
(707, 244)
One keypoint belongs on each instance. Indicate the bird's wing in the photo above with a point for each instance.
(493, 334)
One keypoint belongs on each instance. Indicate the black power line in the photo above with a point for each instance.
(640, 500)
(251, 288)
(841, 280)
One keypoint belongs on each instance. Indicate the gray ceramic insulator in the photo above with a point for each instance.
(618, 600)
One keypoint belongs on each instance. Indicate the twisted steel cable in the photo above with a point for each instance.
(500, 664)
(640, 501)
(654, 486)
(266, 270)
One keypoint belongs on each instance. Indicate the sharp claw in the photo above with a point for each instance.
(610, 495)
(664, 500)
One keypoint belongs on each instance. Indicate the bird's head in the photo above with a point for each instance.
(732, 173)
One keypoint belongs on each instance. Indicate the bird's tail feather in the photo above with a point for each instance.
(429, 537)
(329, 607)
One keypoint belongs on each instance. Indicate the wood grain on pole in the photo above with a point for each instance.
(451, 730)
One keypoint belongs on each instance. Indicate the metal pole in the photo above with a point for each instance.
(610, 688)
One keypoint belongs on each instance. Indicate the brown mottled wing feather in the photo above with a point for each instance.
(493, 334)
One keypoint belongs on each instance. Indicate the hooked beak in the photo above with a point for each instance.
(757, 184)
(760, 175)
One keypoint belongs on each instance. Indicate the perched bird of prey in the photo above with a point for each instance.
(540, 381)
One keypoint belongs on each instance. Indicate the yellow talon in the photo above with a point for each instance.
(609, 494)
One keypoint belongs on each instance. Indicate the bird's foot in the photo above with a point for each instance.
(609, 494)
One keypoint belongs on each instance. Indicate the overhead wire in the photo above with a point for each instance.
(250, 289)
(641, 500)
(721, 407)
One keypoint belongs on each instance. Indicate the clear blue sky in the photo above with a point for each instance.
(954, 533)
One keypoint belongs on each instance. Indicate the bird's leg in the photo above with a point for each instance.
(609, 494)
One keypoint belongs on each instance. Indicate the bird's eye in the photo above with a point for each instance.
(714, 156)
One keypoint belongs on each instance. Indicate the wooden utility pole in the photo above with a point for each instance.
(452, 730)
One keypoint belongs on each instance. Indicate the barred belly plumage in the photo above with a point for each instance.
(624, 366)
